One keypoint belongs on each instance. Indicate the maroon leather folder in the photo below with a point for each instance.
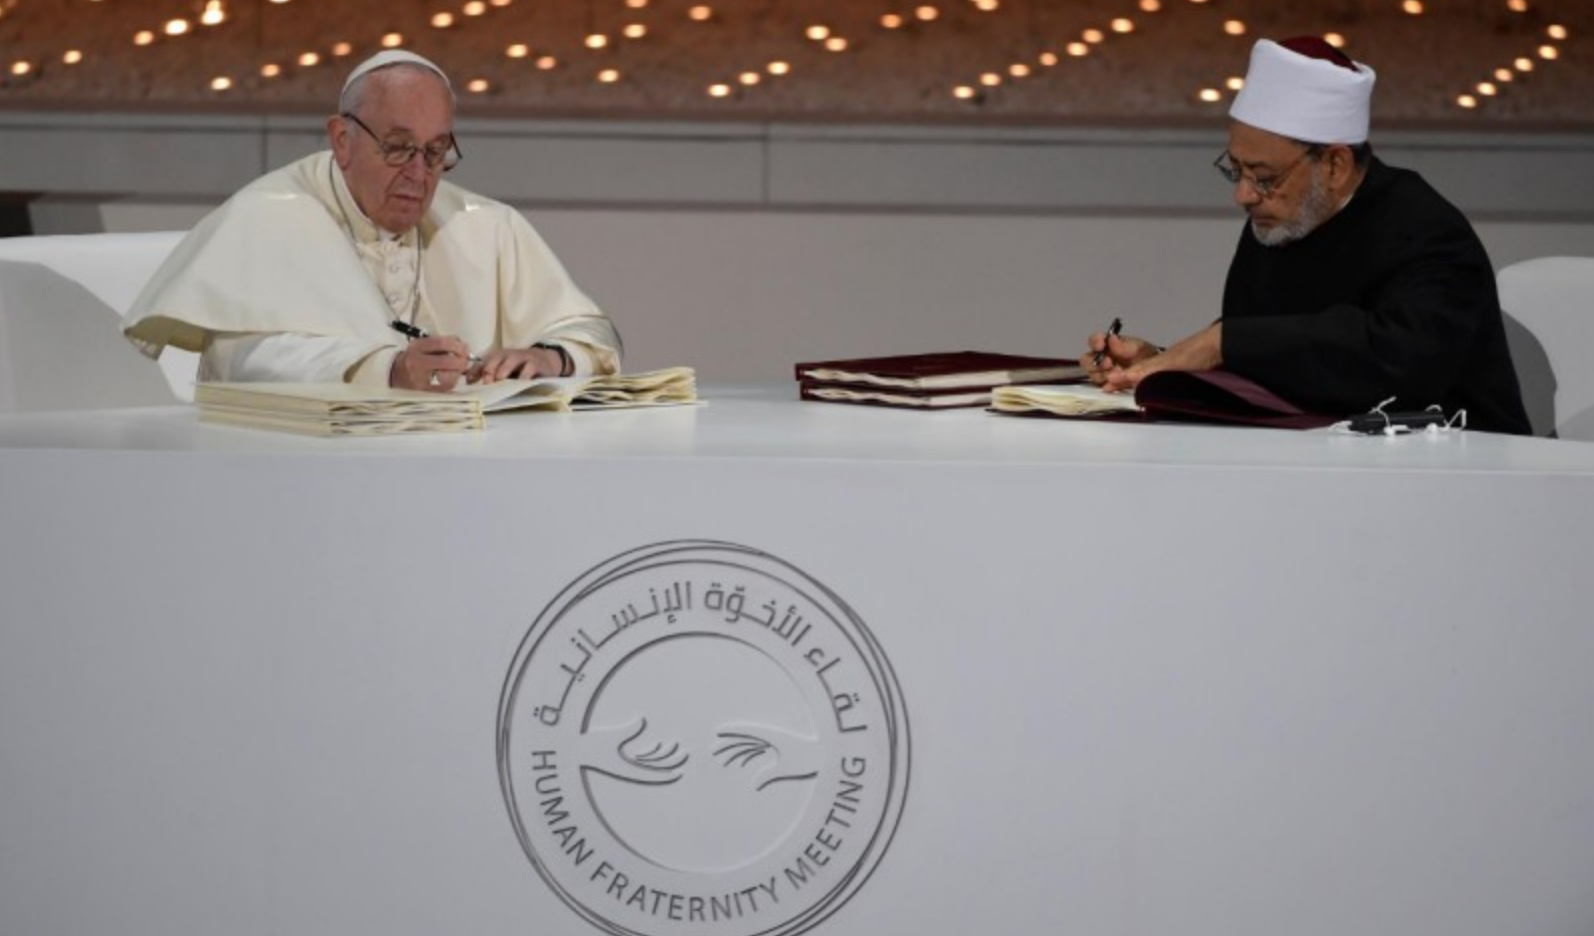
(927, 381)
(1209, 396)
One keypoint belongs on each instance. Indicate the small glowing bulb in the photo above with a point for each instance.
(1077, 49)
(309, 59)
(442, 20)
(1413, 7)
(817, 33)
(1517, 6)
(270, 70)
(392, 40)
(176, 27)
(700, 14)
(1549, 53)
(213, 14)
(341, 49)
(1048, 59)
(1093, 36)
(634, 30)
(1151, 6)
(21, 68)
(547, 62)
(1504, 75)
(1018, 70)
(597, 41)
(1234, 83)
(836, 44)
(927, 13)
(518, 51)
(987, 6)
(779, 68)
(1234, 27)
(474, 8)
(749, 78)
(964, 93)
(1486, 89)
(1467, 101)
(143, 37)
(1123, 25)
(609, 75)
(478, 86)
(1556, 32)
(1334, 39)
(636, 4)
(990, 79)
(719, 90)
(891, 21)
(1210, 95)
(1523, 64)
(221, 83)
(72, 57)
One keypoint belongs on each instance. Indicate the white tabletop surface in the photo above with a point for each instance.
(1160, 679)
(770, 422)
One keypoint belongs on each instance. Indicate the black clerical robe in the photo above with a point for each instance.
(1394, 296)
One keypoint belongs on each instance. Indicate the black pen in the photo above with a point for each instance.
(1113, 329)
(407, 330)
(410, 331)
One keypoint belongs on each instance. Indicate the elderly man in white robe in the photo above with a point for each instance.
(361, 265)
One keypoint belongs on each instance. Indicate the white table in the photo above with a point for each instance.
(1112, 679)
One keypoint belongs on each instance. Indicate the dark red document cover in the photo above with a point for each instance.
(1210, 396)
(942, 370)
(1220, 396)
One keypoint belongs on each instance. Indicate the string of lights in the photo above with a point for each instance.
(1149, 59)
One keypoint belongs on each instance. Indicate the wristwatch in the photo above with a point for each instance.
(566, 365)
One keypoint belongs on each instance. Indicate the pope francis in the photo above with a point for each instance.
(360, 264)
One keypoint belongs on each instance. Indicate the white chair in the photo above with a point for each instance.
(61, 304)
(1549, 305)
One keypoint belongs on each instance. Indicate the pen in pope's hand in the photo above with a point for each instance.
(410, 331)
(1113, 329)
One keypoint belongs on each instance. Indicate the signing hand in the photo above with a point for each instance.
(1117, 352)
(1201, 351)
(433, 363)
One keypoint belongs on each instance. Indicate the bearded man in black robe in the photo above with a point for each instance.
(1353, 281)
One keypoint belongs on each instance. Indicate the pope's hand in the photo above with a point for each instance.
(518, 363)
(433, 363)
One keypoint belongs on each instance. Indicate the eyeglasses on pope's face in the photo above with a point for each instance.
(441, 153)
(1267, 187)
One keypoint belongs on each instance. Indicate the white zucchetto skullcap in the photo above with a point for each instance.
(393, 57)
(1306, 90)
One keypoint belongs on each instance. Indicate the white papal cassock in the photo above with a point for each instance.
(289, 281)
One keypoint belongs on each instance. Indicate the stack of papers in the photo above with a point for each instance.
(335, 409)
(338, 409)
(672, 386)
(1062, 400)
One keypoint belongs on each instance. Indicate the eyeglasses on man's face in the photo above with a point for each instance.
(1267, 187)
(442, 152)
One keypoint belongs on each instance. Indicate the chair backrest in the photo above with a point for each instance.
(1549, 305)
(61, 305)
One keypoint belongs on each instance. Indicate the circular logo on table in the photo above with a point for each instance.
(697, 737)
